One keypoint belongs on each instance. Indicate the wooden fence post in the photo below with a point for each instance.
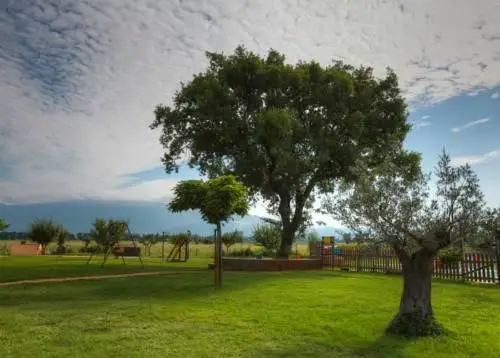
(163, 246)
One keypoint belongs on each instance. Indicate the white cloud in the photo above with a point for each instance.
(79, 82)
(471, 124)
(420, 124)
(475, 159)
(495, 95)
(425, 117)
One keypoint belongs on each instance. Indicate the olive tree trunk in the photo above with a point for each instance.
(416, 317)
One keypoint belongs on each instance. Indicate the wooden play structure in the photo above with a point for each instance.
(121, 251)
(180, 251)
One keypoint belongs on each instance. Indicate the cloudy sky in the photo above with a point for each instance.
(79, 80)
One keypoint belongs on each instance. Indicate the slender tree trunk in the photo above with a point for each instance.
(416, 317)
(218, 257)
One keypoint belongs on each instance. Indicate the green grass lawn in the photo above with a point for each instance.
(35, 267)
(288, 314)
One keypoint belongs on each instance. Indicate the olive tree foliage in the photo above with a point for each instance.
(108, 233)
(217, 199)
(44, 231)
(288, 132)
(396, 207)
(231, 238)
(486, 234)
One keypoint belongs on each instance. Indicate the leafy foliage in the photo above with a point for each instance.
(286, 131)
(108, 233)
(3, 225)
(268, 236)
(44, 231)
(178, 238)
(450, 256)
(231, 238)
(62, 235)
(313, 237)
(398, 210)
(488, 229)
(217, 199)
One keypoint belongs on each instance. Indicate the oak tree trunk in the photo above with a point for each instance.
(416, 317)
(287, 239)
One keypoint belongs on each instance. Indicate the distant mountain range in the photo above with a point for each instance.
(77, 216)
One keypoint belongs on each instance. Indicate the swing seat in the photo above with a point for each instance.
(127, 251)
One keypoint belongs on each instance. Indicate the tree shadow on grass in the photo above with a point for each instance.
(169, 287)
(383, 347)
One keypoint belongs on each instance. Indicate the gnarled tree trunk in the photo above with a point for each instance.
(416, 317)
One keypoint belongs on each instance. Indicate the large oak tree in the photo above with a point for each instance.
(397, 209)
(288, 132)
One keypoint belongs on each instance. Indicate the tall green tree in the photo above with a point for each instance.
(217, 199)
(288, 132)
(397, 209)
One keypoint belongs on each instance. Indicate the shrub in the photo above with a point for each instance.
(450, 256)
(247, 252)
(268, 236)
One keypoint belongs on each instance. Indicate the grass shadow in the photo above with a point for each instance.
(168, 287)
(383, 347)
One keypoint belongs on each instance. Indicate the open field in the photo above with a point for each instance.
(195, 250)
(38, 267)
(287, 314)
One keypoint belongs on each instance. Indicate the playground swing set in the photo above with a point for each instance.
(178, 253)
(121, 251)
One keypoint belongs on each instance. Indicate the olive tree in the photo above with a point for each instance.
(217, 200)
(108, 233)
(231, 238)
(44, 231)
(397, 208)
(286, 131)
